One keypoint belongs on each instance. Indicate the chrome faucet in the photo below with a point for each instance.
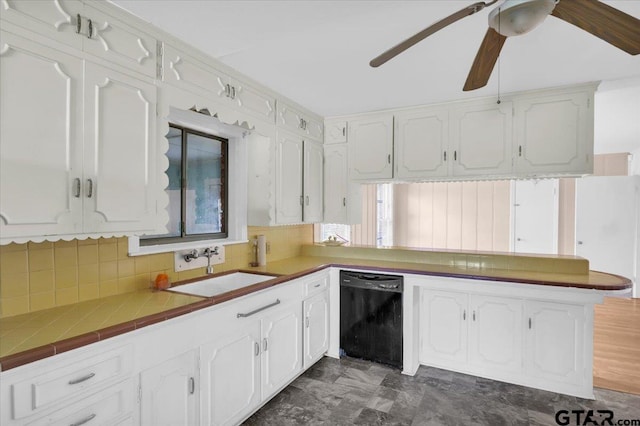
(208, 253)
(191, 255)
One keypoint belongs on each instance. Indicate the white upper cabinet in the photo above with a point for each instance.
(295, 120)
(554, 133)
(335, 131)
(371, 147)
(56, 19)
(421, 143)
(313, 182)
(250, 99)
(289, 198)
(335, 183)
(481, 138)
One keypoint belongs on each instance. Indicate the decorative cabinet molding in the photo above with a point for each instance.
(297, 121)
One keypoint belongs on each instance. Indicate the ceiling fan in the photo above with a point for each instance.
(516, 17)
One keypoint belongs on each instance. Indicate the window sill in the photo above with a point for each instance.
(135, 249)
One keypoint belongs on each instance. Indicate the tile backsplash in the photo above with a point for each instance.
(38, 276)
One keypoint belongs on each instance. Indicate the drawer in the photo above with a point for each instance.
(316, 285)
(112, 406)
(72, 378)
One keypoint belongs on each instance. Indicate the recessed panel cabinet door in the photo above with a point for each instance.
(281, 349)
(371, 148)
(119, 160)
(335, 183)
(230, 376)
(443, 328)
(422, 139)
(41, 139)
(495, 337)
(316, 327)
(170, 392)
(313, 183)
(288, 178)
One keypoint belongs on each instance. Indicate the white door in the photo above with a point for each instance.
(313, 182)
(443, 328)
(316, 328)
(606, 223)
(554, 133)
(170, 393)
(230, 376)
(421, 142)
(335, 132)
(495, 336)
(554, 348)
(281, 348)
(371, 147)
(481, 139)
(119, 154)
(335, 183)
(288, 178)
(535, 216)
(41, 139)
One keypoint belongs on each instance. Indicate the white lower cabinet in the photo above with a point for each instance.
(316, 327)
(170, 393)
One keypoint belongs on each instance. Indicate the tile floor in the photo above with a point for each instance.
(351, 391)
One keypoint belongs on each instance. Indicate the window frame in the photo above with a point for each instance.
(224, 192)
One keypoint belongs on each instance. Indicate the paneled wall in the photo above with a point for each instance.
(453, 215)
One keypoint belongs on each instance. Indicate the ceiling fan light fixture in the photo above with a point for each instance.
(516, 17)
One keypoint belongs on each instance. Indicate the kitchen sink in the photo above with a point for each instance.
(221, 284)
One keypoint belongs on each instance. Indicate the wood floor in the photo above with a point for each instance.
(616, 345)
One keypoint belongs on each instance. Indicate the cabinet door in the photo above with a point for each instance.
(421, 139)
(119, 159)
(281, 348)
(335, 132)
(481, 139)
(170, 393)
(443, 328)
(555, 342)
(314, 128)
(230, 376)
(495, 337)
(117, 42)
(288, 178)
(252, 100)
(290, 118)
(41, 134)
(335, 183)
(55, 19)
(189, 73)
(316, 328)
(554, 134)
(371, 147)
(313, 183)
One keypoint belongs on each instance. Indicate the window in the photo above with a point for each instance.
(198, 187)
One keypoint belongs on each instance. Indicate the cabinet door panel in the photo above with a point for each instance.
(421, 143)
(169, 392)
(190, 74)
(481, 139)
(371, 148)
(230, 376)
(118, 42)
(443, 328)
(288, 178)
(119, 151)
(250, 99)
(41, 151)
(335, 132)
(313, 183)
(555, 134)
(56, 19)
(555, 342)
(495, 339)
(335, 183)
(316, 327)
(281, 349)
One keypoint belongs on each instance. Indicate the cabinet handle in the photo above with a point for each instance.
(76, 187)
(474, 315)
(344, 202)
(83, 421)
(302, 200)
(90, 188)
(306, 322)
(389, 158)
(192, 385)
(316, 286)
(519, 150)
(227, 90)
(301, 124)
(464, 315)
(78, 23)
(529, 323)
(233, 92)
(265, 344)
(255, 311)
(445, 156)
(90, 34)
(455, 155)
(344, 131)
(81, 379)
(307, 200)
(257, 348)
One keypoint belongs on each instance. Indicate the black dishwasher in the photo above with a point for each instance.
(371, 317)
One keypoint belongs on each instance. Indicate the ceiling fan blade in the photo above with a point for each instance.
(603, 21)
(401, 47)
(485, 60)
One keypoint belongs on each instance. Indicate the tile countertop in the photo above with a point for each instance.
(33, 336)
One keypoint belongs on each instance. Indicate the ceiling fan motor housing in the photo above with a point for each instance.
(516, 17)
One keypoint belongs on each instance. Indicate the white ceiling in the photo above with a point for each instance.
(317, 52)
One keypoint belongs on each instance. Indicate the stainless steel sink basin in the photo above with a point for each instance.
(222, 284)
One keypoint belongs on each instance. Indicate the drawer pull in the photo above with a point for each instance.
(83, 421)
(316, 286)
(192, 385)
(248, 314)
(81, 379)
